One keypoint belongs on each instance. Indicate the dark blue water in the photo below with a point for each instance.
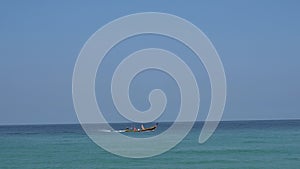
(240, 144)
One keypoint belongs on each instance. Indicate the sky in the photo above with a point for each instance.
(257, 41)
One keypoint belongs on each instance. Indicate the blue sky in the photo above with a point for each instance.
(258, 42)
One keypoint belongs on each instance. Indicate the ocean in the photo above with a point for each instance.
(236, 144)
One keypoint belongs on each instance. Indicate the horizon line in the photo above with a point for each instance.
(241, 120)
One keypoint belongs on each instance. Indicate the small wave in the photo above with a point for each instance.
(119, 131)
(109, 131)
(21, 133)
(105, 130)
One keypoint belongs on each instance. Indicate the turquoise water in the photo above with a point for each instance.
(248, 144)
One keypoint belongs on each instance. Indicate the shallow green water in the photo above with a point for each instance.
(252, 144)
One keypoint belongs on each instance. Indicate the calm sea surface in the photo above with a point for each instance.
(244, 144)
